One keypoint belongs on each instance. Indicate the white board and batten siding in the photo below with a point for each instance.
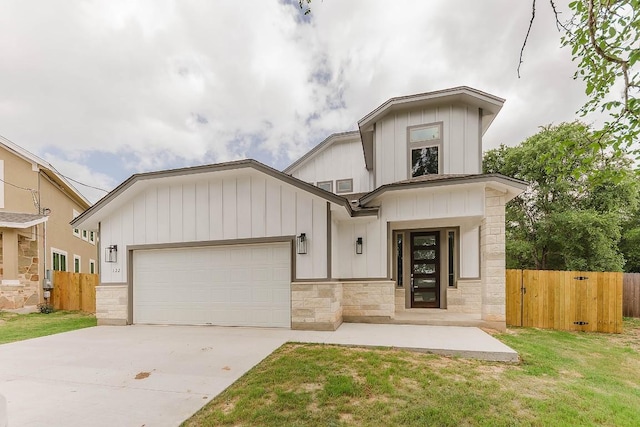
(341, 160)
(450, 206)
(218, 206)
(461, 140)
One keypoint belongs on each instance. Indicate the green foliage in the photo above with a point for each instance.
(604, 37)
(630, 243)
(579, 197)
(45, 308)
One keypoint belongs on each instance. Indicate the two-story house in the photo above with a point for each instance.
(393, 218)
(36, 205)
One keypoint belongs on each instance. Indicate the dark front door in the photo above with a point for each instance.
(425, 269)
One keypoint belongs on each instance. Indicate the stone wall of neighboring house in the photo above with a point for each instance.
(26, 292)
(111, 304)
(492, 259)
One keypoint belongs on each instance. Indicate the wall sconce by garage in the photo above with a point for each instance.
(301, 241)
(359, 246)
(111, 253)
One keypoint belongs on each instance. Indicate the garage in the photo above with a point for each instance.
(237, 285)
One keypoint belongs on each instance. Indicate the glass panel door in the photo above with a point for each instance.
(425, 269)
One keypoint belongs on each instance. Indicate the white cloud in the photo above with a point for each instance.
(168, 83)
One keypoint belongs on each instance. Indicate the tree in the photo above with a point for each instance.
(604, 37)
(568, 219)
(630, 243)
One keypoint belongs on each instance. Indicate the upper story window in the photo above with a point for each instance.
(76, 231)
(326, 185)
(425, 149)
(344, 186)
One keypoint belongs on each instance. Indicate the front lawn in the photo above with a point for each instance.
(18, 327)
(565, 378)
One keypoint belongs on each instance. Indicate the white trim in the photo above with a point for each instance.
(79, 258)
(92, 262)
(92, 237)
(85, 235)
(60, 252)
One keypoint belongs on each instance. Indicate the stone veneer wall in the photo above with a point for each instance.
(364, 300)
(466, 297)
(324, 305)
(26, 292)
(111, 304)
(400, 299)
(316, 306)
(492, 259)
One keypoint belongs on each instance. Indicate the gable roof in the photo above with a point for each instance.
(489, 104)
(328, 142)
(227, 166)
(47, 169)
(515, 185)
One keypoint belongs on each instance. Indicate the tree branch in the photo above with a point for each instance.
(526, 37)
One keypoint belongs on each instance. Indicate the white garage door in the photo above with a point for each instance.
(246, 285)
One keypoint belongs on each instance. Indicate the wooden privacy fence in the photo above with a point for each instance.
(567, 300)
(631, 293)
(74, 291)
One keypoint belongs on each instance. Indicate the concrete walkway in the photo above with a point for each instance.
(161, 375)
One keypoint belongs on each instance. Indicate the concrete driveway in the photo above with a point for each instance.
(161, 375)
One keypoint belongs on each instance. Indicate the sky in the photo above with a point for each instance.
(103, 89)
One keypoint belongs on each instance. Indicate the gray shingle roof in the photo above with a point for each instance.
(20, 220)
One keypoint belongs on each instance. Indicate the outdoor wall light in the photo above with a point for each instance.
(111, 253)
(359, 246)
(302, 243)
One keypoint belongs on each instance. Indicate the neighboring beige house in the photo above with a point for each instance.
(393, 220)
(36, 205)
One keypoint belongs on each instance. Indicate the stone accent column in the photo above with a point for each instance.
(111, 304)
(316, 306)
(492, 259)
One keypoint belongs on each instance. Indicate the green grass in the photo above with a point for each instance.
(18, 327)
(564, 378)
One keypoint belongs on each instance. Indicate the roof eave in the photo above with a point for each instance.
(23, 225)
(238, 164)
(512, 185)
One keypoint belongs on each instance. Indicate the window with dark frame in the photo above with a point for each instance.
(399, 268)
(452, 259)
(424, 144)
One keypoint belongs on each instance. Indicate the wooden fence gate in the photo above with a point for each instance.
(74, 291)
(566, 300)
